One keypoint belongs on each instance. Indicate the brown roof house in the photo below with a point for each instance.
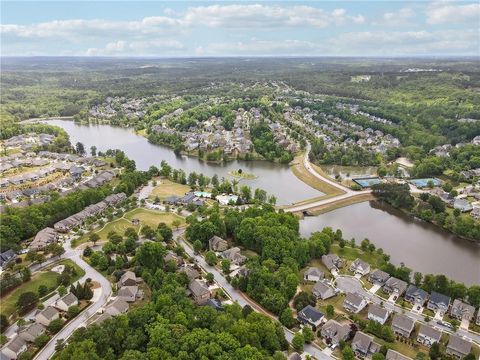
(190, 271)
(461, 310)
(47, 315)
(128, 279)
(217, 244)
(43, 238)
(363, 345)
(402, 325)
(458, 347)
(333, 332)
(200, 292)
(116, 307)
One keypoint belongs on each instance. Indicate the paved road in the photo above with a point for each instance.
(346, 192)
(351, 284)
(237, 296)
(100, 298)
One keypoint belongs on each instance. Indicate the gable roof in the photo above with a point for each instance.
(15, 344)
(313, 271)
(69, 299)
(310, 314)
(354, 299)
(362, 341)
(395, 355)
(378, 311)
(49, 312)
(414, 291)
(430, 332)
(198, 288)
(459, 344)
(403, 322)
(439, 299)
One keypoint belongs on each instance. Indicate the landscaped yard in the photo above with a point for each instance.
(47, 278)
(166, 188)
(348, 253)
(152, 218)
(80, 272)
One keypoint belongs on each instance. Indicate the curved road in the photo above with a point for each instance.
(100, 299)
(346, 192)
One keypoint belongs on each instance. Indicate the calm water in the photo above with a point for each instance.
(419, 245)
(276, 179)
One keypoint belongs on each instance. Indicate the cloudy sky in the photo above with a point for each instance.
(240, 28)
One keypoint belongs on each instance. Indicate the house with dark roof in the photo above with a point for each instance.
(402, 325)
(313, 274)
(310, 316)
(377, 313)
(363, 345)
(6, 257)
(457, 346)
(333, 332)
(427, 335)
(127, 279)
(214, 304)
(416, 295)
(378, 277)
(199, 291)
(438, 302)
(462, 311)
(323, 291)
(332, 261)
(395, 286)
(354, 303)
(360, 267)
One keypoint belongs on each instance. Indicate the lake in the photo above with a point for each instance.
(421, 246)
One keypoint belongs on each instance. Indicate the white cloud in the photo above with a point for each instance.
(262, 47)
(401, 16)
(442, 12)
(147, 47)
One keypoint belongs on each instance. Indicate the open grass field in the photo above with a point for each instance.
(47, 278)
(167, 188)
(80, 272)
(350, 254)
(152, 218)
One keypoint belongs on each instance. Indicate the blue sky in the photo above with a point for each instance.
(240, 28)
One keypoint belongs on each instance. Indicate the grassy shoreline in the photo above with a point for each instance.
(322, 209)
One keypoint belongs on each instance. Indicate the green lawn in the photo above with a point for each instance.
(80, 272)
(166, 188)
(47, 278)
(373, 258)
(152, 218)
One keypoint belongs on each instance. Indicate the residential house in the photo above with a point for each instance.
(462, 311)
(332, 261)
(310, 316)
(333, 332)
(214, 304)
(323, 291)
(360, 267)
(438, 302)
(395, 355)
(378, 277)
(116, 307)
(395, 286)
(415, 295)
(377, 313)
(192, 274)
(463, 205)
(171, 256)
(402, 325)
(354, 303)
(47, 315)
(31, 332)
(66, 301)
(217, 244)
(313, 274)
(6, 257)
(234, 255)
(128, 293)
(427, 335)
(14, 347)
(363, 345)
(458, 346)
(200, 292)
(43, 238)
(127, 279)
(294, 356)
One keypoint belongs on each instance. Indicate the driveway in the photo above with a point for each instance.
(375, 288)
(348, 284)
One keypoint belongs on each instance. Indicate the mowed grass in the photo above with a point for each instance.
(152, 217)
(350, 254)
(166, 188)
(47, 278)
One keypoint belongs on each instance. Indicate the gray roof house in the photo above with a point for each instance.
(66, 301)
(363, 345)
(43, 238)
(402, 325)
(216, 243)
(47, 315)
(461, 310)
(128, 293)
(360, 267)
(31, 332)
(458, 347)
(354, 303)
(14, 347)
(234, 255)
(462, 205)
(378, 277)
(395, 286)
(200, 292)
(438, 302)
(323, 291)
(127, 279)
(313, 274)
(395, 355)
(332, 261)
(310, 316)
(116, 307)
(427, 335)
(171, 256)
(192, 274)
(415, 295)
(333, 332)
(6, 257)
(377, 313)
